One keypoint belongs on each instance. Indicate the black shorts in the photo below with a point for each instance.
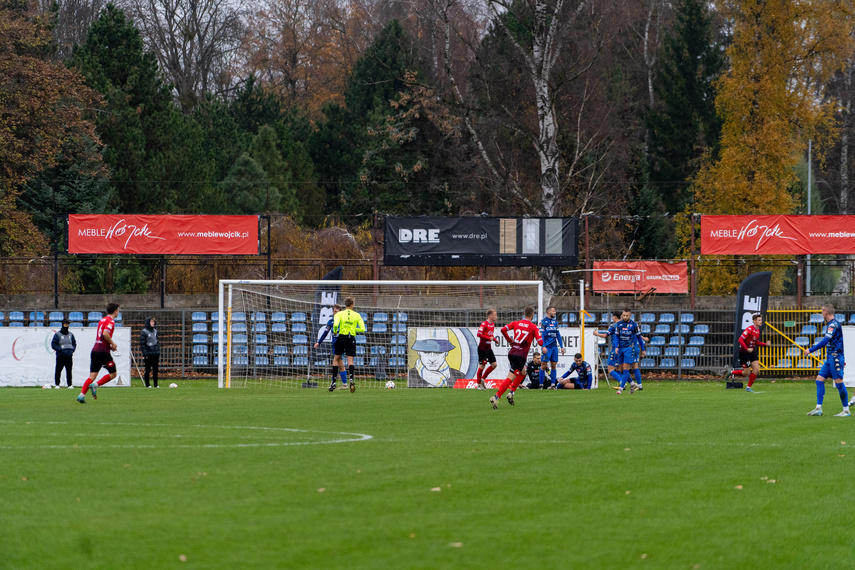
(345, 345)
(486, 355)
(517, 363)
(99, 360)
(746, 358)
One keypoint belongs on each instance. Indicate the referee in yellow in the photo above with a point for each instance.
(346, 325)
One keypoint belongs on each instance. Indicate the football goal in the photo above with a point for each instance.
(417, 333)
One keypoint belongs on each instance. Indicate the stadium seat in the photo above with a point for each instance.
(381, 317)
(72, 316)
(215, 316)
(793, 351)
(37, 316)
(693, 351)
(696, 341)
(398, 350)
(687, 318)
(399, 339)
(239, 339)
(16, 324)
(261, 339)
(280, 361)
(359, 361)
(239, 327)
(808, 330)
(200, 339)
(851, 319)
(802, 341)
(687, 363)
(702, 329)
(53, 324)
(200, 360)
(804, 363)
(571, 318)
(399, 328)
(240, 349)
(677, 340)
(653, 351)
(280, 350)
(259, 317)
(360, 351)
(361, 339)
(662, 329)
(278, 318)
(239, 316)
(215, 338)
(816, 318)
(681, 329)
(215, 327)
(666, 318)
(301, 361)
(260, 349)
(262, 361)
(657, 340)
(643, 329)
(562, 319)
(400, 317)
(279, 328)
(647, 318)
(606, 318)
(93, 324)
(647, 363)
(300, 351)
(590, 319)
(75, 324)
(364, 316)
(55, 316)
(200, 327)
(118, 319)
(259, 327)
(300, 339)
(841, 318)
(198, 316)
(397, 362)
(16, 316)
(817, 339)
(94, 316)
(375, 350)
(379, 327)
(37, 323)
(785, 363)
(672, 351)
(200, 349)
(241, 360)
(668, 363)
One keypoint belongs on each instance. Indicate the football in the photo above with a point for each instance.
(173, 385)
(390, 384)
(46, 387)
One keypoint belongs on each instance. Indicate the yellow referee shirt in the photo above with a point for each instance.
(348, 323)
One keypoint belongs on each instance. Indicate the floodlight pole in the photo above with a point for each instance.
(807, 281)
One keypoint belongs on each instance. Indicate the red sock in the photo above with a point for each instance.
(103, 380)
(86, 386)
(505, 384)
(478, 375)
(751, 379)
(517, 383)
(737, 372)
(486, 372)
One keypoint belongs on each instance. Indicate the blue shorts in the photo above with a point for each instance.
(636, 352)
(625, 356)
(833, 367)
(551, 354)
(613, 358)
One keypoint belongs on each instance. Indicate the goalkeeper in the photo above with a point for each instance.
(346, 325)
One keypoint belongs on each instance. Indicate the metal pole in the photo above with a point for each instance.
(807, 286)
(693, 281)
(162, 282)
(799, 285)
(55, 262)
(587, 253)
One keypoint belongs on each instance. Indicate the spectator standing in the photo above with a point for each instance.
(150, 347)
(64, 344)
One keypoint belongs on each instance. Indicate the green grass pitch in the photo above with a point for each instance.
(681, 475)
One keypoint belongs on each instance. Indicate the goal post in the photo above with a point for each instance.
(418, 333)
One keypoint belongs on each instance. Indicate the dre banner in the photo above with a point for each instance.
(752, 297)
(481, 241)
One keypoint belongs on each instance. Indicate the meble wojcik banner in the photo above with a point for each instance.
(163, 235)
(777, 235)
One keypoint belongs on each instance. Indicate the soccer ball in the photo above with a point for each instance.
(173, 385)
(46, 387)
(390, 384)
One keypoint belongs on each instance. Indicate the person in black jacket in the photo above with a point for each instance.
(150, 347)
(64, 344)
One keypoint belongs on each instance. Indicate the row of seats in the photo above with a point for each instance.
(801, 363)
(673, 351)
(298, 350)
(37, 318)
(298, 317)
(666, 363)
(394, 362)
(239, 338)
(281, 327)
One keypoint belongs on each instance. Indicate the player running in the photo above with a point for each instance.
(551, 342)
(614, 347)
(627, 333)
(584, 380)
(486, 337)
(749, 340)
(346, 324)
(834, 363)
(100, 356)
(337, 364)
(524, 332)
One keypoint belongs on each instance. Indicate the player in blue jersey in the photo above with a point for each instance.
(584, 379)
(614, 347)
(337, 365)
(551, 344)
(628, 334)
(636, 356)
(834, 363)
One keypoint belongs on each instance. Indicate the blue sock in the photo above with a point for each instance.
(616, 375)
(820, 392)
(343, 375)
(542, 377)
(624, 379)
(844, 397)
(552, 375)
(637, 373)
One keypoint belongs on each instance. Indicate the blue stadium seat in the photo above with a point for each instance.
(571, 318)
(56, 316)
(16, 316)
(200, 349)
(666, 318)
(644, 329)
(653, 351)
(73, 316)
(198, 316)
(400, 317)
(364, 316)
(280, 361)
(647, 318)
(361, 339)
(118, 319)
(260, 350)
(215, 338)
(94, 316)
(240, 349)
(262, 361)
(300, 350)
(200, 339)
(399, 339)
(672, 351)
(687, 318)
(693, 351)
(373, 361)
(360, 351)
(200, 360)
(93, 324)
(301, 361)
(259, 317)
(279, 328)
(677, 340)
(687, 363)
(817, 339)
(647, 363)
(381, 317)
(681, 329)
(53, 324)
(696, 341)
(816, 318)
(397, 362)
(37, 315)
(75, 324)
(280, 350)
(702, 329)
(808, 330)
(259, 327)
(606, 318)
(298, 327)
(805, 363)
(215, 327)
(239, 339)
(851, 318)
(359, 361)
(668, 363)
(261, 339)
(590, 319)
(562, 319)
(241, 360)
(793, 351)
(398, 350)
(785, 363)
(2, 317)
(16, 324)
(841, 318)
(379, 327)
(662, 329)
(200, 327)
(239, 317)
(278, 317)
(300, 339)
(657, 340)
(399, 328)
(215, 316)
(802, 341)
(375, 350)
(239, 327)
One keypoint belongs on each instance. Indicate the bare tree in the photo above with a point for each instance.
(193, 40)
(73, 18)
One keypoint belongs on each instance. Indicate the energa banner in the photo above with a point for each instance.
(26, 358)
(638, 276)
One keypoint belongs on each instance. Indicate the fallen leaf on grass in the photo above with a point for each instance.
(436, 489)
(771, 481)
(412, 535)
(322, 489)
(738, 487)
(182, 557)
(644, 556)
(455, 544)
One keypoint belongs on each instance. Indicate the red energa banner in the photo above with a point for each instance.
(638, 276)
(163, 235)
(784, 235)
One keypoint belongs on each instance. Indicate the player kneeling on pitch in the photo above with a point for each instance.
(583, 381)
(834, 363)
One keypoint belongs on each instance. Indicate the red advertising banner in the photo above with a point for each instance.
(638, 276)
(767, 235)
(163, 235)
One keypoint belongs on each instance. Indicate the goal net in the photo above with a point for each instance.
(418, 333)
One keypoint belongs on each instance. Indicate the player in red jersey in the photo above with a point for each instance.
(486, 334)
(100, 356)
(749, 340)
(524, 332)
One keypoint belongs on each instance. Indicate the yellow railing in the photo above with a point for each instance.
(787, 335)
